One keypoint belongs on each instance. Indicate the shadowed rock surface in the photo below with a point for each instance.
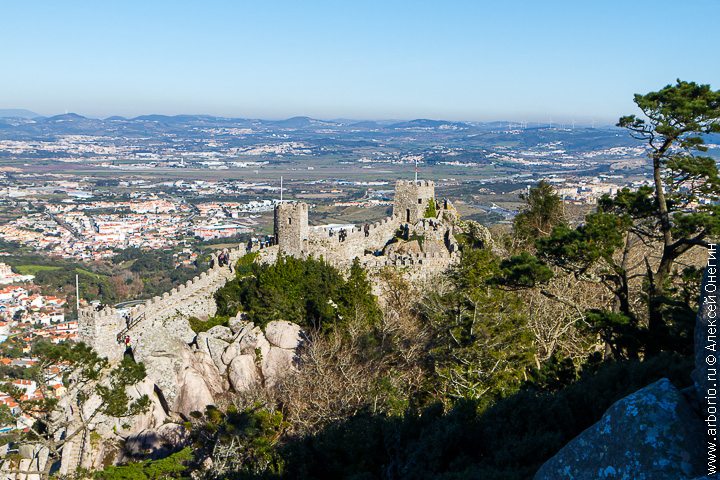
(652, 434)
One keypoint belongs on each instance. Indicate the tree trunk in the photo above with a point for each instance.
(656, 291)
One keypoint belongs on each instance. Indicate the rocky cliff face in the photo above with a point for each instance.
(186, 377)
(657, 433)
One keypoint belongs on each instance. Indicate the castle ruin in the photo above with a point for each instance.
(291, 227)
(410, 237)
(420, 245)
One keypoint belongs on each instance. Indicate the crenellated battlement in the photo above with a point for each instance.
(412, 198)
(414, 183)
(105, 329)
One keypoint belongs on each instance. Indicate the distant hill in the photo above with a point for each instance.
(425, 123)
(65, 117)
(300, 122)
(17, 113)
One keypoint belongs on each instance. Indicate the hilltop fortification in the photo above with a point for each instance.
(187, 371)
(409, 239)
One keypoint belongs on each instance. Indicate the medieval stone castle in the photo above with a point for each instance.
(411, 239)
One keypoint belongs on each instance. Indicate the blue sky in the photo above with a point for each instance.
(458, 60)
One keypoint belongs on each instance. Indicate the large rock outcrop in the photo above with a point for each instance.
(259, 359)
(156, 443)
(200, 383)
(185, 377)
(652, 434)
(283, 334)
(243, 373)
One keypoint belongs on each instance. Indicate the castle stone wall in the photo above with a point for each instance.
(356, 244)
(161, 315)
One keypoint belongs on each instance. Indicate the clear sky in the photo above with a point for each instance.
(363, 59)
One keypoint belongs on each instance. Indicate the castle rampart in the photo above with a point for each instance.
(105, 329)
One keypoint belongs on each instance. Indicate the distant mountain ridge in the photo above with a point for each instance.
(17, 113)
(297, 122)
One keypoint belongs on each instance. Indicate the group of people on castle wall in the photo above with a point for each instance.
(223, 260)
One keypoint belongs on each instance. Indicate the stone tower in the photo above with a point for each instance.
(411, 199)
(100, 329)
(291, 227)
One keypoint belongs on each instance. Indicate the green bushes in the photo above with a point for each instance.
(198, 325)
(247, 439)
(173, 466)
(308, 292)
(431, 209)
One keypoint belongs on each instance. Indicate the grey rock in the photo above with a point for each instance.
(243, 373)
(175, 434)
(199, 383)
(157, 442)
(232, 351)
(221, 333)
(237, 323)
(277, 363)
(109, 427)
(283, 334)
(164, 363)
(26, 451)
(252, 341)
(180, 328)
(652, 434)
(214, 347)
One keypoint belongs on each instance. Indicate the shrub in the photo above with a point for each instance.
(198, 325)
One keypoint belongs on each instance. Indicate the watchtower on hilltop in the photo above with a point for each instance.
(412, 198)
(291, 227)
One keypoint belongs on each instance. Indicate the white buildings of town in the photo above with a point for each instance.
(8, 276)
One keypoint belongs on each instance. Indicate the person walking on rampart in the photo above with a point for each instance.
(223, 258)
(367, 230)
(226, 253)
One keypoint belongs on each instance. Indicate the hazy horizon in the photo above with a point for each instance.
(335, 119)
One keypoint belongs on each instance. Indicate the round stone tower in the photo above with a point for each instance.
(291, 227)
(411, 199)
